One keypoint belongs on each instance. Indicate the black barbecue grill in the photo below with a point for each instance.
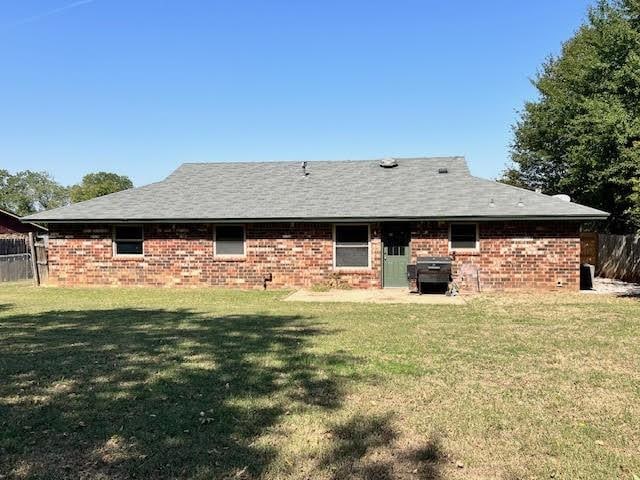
(430, 271)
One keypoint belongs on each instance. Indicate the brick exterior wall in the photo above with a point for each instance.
(512, 256)
(516, 256)
(182, 255)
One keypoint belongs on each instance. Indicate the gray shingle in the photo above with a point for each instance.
(332, 190)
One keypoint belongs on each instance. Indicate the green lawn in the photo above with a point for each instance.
(124, 383)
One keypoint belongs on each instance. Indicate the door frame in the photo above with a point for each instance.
(382, 242)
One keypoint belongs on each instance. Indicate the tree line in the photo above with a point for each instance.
(27, 191)
(582, 135)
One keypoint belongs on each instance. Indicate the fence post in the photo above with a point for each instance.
(34, 262)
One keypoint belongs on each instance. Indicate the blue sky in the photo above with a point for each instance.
(138, 87)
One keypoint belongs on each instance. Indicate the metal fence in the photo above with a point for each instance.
(619, 257)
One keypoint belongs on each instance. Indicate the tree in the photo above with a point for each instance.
(97, 184)
(582, 136)
(28, 192)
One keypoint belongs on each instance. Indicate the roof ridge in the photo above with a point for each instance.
(258, 162)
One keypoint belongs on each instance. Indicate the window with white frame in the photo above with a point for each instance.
(128, 240)
(463, 236)
(351, 246)
(229, 240)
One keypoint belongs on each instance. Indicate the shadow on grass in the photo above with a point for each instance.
(364, 448)
(154, 393)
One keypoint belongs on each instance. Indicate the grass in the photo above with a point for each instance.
(204, 384)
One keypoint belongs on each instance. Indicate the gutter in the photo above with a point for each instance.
(603, 216)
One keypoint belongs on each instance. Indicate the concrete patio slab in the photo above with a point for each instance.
(386, 295)
(608, 286)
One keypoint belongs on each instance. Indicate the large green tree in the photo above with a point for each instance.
(98, 184)
(27, 192)
(582, 135)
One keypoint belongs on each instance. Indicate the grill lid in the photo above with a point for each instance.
(439, 260)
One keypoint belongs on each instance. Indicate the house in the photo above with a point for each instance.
(12, 227)
(353, 222)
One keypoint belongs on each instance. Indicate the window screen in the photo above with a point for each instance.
(229, 240)
(128, 240)
(352, 246)
(464, 235)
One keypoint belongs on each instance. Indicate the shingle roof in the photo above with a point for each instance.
(17, 219)
(331, 190)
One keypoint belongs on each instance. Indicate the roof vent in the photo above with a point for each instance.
(304, 169)
(563, 197)
(443, 170)
(388, 162)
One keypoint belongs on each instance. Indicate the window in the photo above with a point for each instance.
(463, 236)
(351, 246)
(128, 240)
(229, 240)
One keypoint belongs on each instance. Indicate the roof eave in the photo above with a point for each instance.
(585, 217)
(28, 222)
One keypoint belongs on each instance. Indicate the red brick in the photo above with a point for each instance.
(513, 256)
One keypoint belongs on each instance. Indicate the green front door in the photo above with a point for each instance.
(395, 253)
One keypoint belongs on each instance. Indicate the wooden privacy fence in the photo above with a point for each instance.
(619, 257)
(22, 259)
(589, 248)
(15, 267)
(39, 247)
(13, 246)
(15, 260)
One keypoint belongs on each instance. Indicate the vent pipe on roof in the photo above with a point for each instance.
(388, 162)
(563, 197)
(304, 169)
